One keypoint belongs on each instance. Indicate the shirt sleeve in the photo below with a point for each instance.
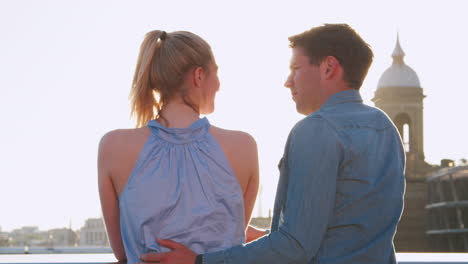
(312, 165)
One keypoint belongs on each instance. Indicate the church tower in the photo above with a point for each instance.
(400, 96)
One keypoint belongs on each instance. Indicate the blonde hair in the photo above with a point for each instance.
(162, 64)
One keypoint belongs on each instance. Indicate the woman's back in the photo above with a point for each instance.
(182, 186)
(186, 181)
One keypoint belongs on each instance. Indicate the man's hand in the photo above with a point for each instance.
(179, 254)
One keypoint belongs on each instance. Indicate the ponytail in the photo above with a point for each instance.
(142, 96)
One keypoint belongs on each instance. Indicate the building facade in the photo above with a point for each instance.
(448, 209)
(93, 233)
(62, 237)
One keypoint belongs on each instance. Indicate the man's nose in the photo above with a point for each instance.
(288, 83)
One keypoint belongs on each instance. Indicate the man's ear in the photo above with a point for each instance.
(329, 67)
(198, 76)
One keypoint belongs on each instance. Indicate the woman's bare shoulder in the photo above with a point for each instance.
(121, 138)
(235, 138)
(241, 151)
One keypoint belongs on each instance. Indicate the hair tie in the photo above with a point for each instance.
(163, 35)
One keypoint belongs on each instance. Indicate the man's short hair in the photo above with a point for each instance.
(341, 42)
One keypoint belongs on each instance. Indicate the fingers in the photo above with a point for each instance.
(170, 244)
(159, 257)
(152, 257)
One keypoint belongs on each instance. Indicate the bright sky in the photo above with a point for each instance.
(66, 69)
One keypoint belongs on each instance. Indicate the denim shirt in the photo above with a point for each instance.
(340, 192)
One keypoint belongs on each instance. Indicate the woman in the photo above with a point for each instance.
(175, 176)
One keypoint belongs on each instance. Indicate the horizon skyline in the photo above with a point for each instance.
(67, 227)
(67, 70)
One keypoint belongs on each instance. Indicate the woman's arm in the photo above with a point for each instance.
(109, 199)
(250, 194)
(253, 233)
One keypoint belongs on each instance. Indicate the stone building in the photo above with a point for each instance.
(93, 233)
(400, 95)
(61, 237)
(448, 209)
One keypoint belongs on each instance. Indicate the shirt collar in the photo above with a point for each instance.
(351, 95)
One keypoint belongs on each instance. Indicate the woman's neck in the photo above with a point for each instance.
(177, 114)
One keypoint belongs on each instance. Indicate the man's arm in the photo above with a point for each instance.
(312, 165)
(313, 162)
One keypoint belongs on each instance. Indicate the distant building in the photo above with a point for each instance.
(93, 233)
(4, 239)
(28, 236)
(62, 237)
(261, 222)
(448, 208)
(26, 230)
(400, 95)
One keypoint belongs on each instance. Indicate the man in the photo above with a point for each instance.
(340, 193)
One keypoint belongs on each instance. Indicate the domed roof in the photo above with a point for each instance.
(399, 74)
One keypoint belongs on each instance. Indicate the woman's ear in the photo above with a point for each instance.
(198, 76)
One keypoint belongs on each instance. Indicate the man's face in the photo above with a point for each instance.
(305, 83)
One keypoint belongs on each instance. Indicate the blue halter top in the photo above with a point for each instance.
(181, 188)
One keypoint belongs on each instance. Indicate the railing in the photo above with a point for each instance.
(402, 258)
